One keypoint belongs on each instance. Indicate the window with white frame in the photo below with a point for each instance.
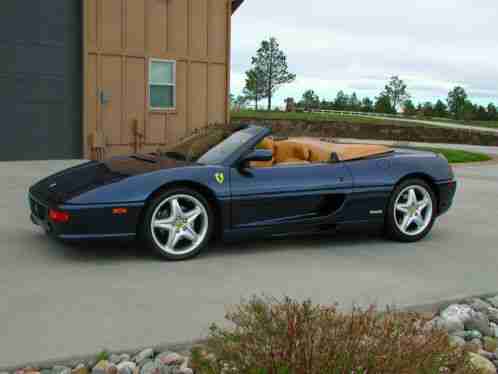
(162, 84)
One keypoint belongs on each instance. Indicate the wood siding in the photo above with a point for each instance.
(121, 36)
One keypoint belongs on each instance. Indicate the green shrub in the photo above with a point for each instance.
(269, 336)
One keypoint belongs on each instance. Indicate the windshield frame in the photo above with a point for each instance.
(257, 135)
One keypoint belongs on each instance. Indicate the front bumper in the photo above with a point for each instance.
(446, 194)
(86, 221)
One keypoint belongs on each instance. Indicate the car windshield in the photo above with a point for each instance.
(208, 146)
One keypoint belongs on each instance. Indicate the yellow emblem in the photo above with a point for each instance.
(220, 178)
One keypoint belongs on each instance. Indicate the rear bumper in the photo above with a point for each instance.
(446, 193)
(86, 221)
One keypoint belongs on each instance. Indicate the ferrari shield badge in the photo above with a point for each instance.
(220, 178)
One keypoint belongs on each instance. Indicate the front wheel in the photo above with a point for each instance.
(411, 212)
(178, 224)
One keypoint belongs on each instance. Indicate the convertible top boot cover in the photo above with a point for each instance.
(322, 151)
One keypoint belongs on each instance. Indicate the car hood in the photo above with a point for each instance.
(74, 181)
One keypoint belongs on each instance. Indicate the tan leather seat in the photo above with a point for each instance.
(310, 150)
(269, 144)
(289, 151)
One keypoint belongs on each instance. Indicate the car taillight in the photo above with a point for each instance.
(58, 216)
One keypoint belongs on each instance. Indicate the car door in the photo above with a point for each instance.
(283, 194)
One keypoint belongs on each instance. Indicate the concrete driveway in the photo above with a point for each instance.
(58, 300)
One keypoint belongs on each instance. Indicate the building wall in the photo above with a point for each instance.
(40, 79)
(120, 38)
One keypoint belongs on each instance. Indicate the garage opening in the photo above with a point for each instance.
(41, 79)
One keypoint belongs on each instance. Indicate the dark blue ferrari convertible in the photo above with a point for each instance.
(244, 183)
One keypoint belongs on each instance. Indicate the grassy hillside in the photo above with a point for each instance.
(317, 117)
(456, 156)
(325, 117)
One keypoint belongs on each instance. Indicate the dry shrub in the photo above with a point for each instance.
(269, 336)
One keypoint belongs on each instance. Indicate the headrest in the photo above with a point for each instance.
(267, 143)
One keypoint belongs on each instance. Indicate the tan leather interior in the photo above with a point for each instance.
(310, 150)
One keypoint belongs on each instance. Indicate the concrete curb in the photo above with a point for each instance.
(429, 308)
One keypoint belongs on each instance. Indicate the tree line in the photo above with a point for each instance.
(395, 99)
(269, 71)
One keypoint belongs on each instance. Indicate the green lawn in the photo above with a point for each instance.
(456, 156)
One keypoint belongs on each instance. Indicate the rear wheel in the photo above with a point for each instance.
(411, 212)
(178, 224)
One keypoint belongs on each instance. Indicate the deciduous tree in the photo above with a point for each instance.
(492, 112)
(310, 100)
(409, 108)
(383, 104)
(440, 109)
(367, 105)
(396, 90)
(341, 101)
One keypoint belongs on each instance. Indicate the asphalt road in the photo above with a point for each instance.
(58, 300)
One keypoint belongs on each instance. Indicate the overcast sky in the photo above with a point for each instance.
(357, 45)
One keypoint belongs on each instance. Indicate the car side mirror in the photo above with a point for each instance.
(264, 155)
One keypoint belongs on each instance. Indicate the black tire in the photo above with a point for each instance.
(392, 230)
(146, 230)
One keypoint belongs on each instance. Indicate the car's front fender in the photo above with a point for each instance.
(138, 188)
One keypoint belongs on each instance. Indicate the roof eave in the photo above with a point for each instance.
(236, 4)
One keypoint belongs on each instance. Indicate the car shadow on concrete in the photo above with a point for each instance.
(104, 251)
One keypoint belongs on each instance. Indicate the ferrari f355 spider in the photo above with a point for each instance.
(236, 185)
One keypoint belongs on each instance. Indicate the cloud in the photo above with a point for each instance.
(432, 45)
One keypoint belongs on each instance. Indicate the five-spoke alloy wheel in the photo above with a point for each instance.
(178, 224)
(411, 211)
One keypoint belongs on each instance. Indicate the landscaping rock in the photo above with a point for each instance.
(459, 311)
(492, 314)
(124, 357)
(480, 322)
(482, 364)
(170, 358)
(472, 347)
(184, 369)
(114, 359)
(80, 369)
(472, 334)
(489, 355)
(490, 344)
(144, 355)
(126, 367)
(61, 370)
(151, 367)
(450, 324)
(477, 342)
(493, 301)
(461, 334)
(480, 305)
(101, 367)
(457, 341)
